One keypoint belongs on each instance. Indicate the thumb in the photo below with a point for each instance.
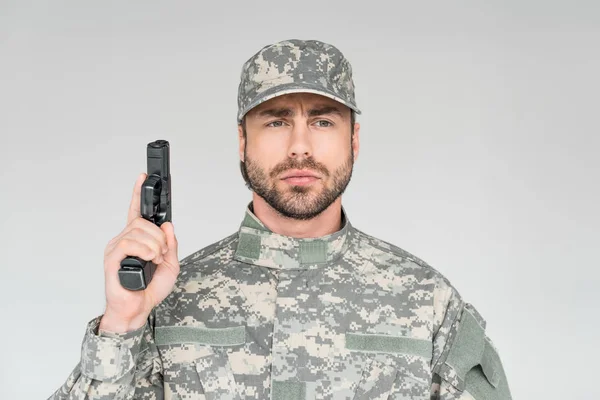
(169, 231)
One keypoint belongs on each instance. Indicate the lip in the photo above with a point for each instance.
(300, 180)
(299, 174)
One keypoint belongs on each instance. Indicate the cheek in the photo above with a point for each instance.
(331, 151)
(270, 144)
(266, 153)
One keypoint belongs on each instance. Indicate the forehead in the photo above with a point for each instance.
(297, 100)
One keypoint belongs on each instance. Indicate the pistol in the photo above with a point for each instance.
(136, 273)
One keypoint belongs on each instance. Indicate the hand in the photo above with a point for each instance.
(128, 310)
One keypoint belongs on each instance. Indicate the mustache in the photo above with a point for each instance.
(307, 163)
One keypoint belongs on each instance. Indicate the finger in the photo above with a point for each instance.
(169, 268)
(136, 199)
(150, 241)
(128, 247)
(141, 223)
(172, 244)
(150, 228)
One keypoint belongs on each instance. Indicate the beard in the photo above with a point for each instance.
(298, 202)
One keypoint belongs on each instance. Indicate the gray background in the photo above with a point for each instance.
(479, 154)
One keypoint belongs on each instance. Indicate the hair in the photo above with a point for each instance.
(243, 124)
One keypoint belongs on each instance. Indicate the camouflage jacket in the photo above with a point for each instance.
(260, 315)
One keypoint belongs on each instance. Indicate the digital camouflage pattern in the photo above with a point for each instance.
(294, 66)
(260, 315)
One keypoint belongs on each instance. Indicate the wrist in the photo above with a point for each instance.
(112, 323)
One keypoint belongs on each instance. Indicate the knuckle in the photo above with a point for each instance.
(139, 222)
(156, 248)
(125, 243)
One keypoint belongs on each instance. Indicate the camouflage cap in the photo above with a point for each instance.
(293, 66)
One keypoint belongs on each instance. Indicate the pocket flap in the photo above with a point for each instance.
(216, 377)
(466, 351)
(473, 364)
(490, 364)
(376, 382)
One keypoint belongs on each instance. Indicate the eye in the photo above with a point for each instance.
(321, 121)
(275, 124)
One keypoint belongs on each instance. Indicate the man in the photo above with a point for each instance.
(298, 303)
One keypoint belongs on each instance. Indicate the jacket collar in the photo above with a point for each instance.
(258, 245)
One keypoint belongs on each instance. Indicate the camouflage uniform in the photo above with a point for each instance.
(259, 315)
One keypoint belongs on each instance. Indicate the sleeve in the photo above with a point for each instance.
(115, 366)
(466, 364)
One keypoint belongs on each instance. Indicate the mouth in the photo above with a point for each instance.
(300, 180)
(300, 174)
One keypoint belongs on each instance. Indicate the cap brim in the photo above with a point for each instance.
(288, 88)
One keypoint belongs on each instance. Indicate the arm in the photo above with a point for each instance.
(115, 366)
(466, 365)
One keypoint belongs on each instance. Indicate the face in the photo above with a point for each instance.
(302, 134)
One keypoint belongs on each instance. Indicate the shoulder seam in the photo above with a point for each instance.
(444, 354)
(394, 249)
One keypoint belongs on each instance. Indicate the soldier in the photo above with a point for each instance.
(297, 303)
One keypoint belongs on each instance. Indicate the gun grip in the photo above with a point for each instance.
(136, 273)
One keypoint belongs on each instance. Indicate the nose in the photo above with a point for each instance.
(300, 145)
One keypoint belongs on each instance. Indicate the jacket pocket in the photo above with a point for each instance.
(216, 377)
(396, 366)
(199, 364)
(473, 364)
(376, 382)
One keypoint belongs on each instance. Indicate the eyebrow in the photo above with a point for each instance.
(287, 112)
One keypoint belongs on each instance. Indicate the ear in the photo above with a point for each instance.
(242, 142)
(356, 140)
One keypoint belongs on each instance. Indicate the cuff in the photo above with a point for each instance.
(107, 356)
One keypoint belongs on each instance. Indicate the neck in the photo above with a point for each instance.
(329, 221)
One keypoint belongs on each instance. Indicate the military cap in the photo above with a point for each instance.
(293, 66)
